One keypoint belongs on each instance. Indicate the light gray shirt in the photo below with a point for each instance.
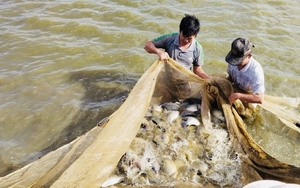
(192, 56)
(250, 78)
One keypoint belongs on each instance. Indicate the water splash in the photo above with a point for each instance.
(164, 152)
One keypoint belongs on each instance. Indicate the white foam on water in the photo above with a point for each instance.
(164, 153)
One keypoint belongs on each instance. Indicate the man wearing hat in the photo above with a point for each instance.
(245, 72)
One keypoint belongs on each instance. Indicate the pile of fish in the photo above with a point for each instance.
(173, 146)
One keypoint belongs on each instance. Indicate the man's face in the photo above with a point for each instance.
(184, 40)
(245, 61)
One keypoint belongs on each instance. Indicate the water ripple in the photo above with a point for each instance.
(66, 65)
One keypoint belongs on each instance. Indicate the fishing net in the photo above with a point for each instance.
(89, 160)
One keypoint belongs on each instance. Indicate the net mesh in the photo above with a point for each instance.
(90, 159)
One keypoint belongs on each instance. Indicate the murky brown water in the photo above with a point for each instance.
(66, 65)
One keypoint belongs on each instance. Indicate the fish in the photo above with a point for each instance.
(112, 180)
(203, 167)
(189, 113)
(145, 124)
(193, 107)
(170, 167)
(170, 106)
(148, 160)
(171, 145)
(218, 114)
(190, 109)
(190, 101)
(187, 121)
(172, 116)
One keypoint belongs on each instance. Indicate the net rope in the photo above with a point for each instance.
(90, 159)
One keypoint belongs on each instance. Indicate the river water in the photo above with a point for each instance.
(65, 65)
